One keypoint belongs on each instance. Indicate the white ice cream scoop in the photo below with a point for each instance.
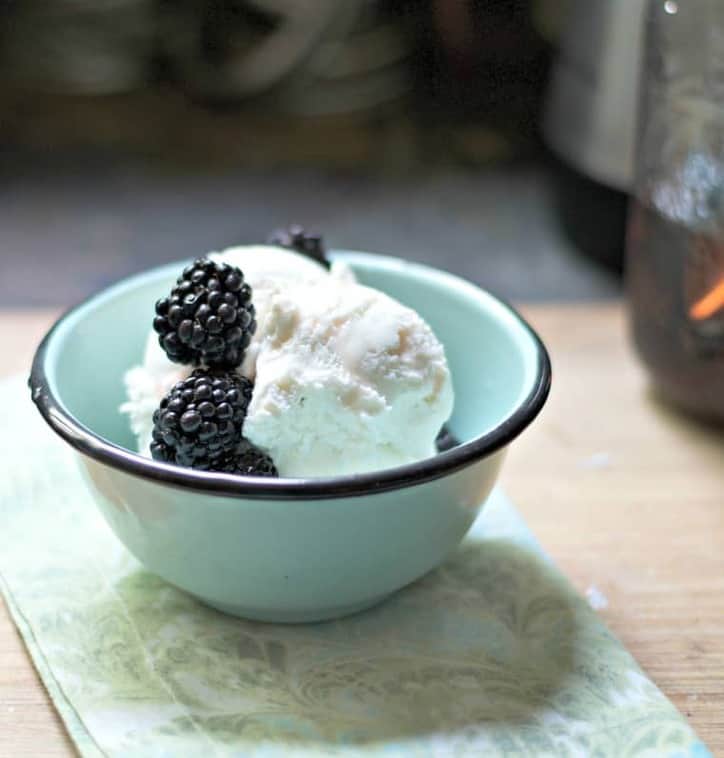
(347, 379)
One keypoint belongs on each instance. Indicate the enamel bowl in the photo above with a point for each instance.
(292, 550)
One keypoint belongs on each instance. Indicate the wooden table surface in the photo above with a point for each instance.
(625, 495)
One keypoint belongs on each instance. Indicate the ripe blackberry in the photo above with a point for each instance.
(295, 238)
(199, 422)
(208, 317)
(249, 460)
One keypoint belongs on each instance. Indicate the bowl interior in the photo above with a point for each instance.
(493, 356)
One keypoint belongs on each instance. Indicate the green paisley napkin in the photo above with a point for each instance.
(492, 654)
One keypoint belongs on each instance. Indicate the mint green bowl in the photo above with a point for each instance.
(293, 550)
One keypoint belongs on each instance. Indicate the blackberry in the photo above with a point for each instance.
(295, 238)
(249, 460)
(199, 422)
(445, 440)
(208, 317)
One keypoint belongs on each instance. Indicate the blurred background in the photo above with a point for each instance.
(492, 139)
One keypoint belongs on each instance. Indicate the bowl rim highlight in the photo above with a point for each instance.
(99, 449)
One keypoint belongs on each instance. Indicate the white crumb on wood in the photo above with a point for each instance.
(596, 599)
(599, 460)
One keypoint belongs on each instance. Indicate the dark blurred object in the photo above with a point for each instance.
(229, 50)
(89, 47)
(305, 56)
(308, 56)
(590, 123)
(549, 18)
(296, 238)
(458, 59)
(675, 259)
(391, 84)
(445, 440)
(592, 215)
(482, 58)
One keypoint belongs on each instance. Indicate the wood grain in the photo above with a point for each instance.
(624, 494)
(628, 497)
(29, 725)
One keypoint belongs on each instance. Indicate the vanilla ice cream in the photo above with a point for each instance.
(346, 379)
(268, 270)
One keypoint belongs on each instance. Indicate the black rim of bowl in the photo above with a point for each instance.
(229, 485)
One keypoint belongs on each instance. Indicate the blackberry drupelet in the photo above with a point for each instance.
(249, 460)
(295, 238)
(208, 317)
(199, 422)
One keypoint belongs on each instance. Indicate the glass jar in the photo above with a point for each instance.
(675, 246)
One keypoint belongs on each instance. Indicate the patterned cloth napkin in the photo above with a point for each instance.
(492, 654)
